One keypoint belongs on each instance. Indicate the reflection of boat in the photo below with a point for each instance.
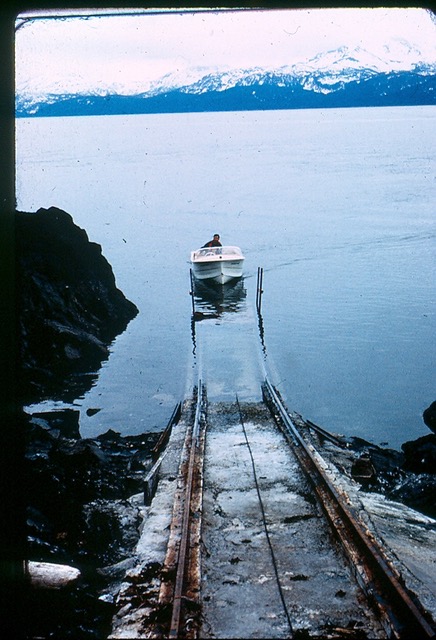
(220, 264)
(212, 299)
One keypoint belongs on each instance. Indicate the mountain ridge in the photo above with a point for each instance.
(339, 78)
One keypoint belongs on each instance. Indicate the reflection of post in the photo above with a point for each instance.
(192, 291)
(259, 289)
(194, 343)
(262, 333)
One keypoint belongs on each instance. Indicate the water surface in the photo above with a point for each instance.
(336, 205)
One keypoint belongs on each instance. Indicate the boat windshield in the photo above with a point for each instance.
(216, 251)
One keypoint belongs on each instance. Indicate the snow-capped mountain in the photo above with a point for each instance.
(395, 76)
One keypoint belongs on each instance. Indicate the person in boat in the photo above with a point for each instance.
(215, 242)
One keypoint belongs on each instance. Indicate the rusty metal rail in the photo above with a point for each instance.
(401, 615)
(180, 588)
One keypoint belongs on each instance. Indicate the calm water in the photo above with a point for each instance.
(337, 206)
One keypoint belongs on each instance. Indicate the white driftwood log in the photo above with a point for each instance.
(46, 575)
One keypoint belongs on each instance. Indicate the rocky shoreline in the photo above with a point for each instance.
(78, 491)
(69, 308)
(79, 515)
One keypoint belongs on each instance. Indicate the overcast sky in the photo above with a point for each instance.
(130, 51)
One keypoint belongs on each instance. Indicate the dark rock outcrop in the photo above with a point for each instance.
(69, 309)
(418, 491)
(407, 476)
(429, 417)
(420, 455)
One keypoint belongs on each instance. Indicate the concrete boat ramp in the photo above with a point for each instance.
(266, 561)
(253, 525)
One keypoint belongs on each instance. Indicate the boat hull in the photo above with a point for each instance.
(220, 265)
(219, 271)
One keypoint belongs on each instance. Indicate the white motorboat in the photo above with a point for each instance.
(220, 264)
